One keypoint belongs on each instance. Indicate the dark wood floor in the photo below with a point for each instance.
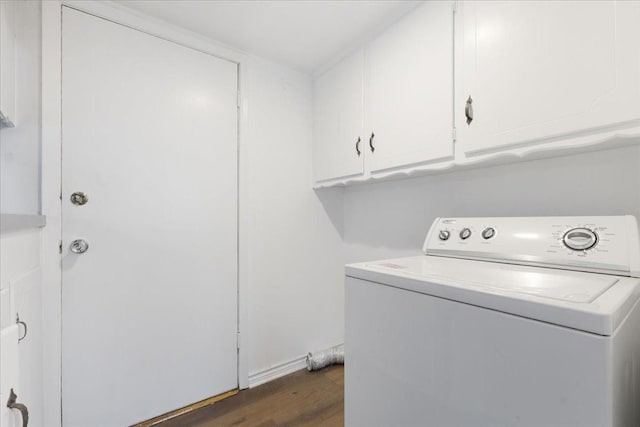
(300, 399)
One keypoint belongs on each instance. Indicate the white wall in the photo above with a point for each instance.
(295, 265)
(391, 219)
(20, 146)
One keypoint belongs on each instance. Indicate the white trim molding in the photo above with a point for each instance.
(277, 371)
(610, 139)
(51, 208)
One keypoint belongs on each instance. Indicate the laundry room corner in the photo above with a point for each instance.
(294, 260)
(213, 212)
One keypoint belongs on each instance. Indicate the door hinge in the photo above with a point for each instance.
(238, 100)
(454, 134)
(60, 247)
(60, 195)
(454, 6)
(238, 341)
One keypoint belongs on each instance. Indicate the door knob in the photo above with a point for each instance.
(79, 198)
(78, 246)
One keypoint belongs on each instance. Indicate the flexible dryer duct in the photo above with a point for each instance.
(322, 359)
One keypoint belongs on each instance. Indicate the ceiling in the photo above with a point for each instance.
(302, 34)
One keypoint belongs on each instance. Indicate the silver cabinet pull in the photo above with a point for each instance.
(468, 110)
(78, 246)
(358, 147)
(371, 142)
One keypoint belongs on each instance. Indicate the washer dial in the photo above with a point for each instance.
(465, 233)
(580, 239)
(488, 233)
(444, 235)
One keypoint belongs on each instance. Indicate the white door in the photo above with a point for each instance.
(338, 145)
(149, 311)
(409, 90)
(543, 70)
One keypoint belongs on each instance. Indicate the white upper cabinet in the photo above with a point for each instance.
(338, 141)
(409, 90)
(529, 79)
(540, 71)
(389, 105)
(7, 64)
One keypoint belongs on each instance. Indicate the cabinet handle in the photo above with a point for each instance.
(12, 404)
(468, 110)
(358, 147)
(371, 142)
(24, 325)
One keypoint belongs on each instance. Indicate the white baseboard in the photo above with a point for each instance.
(269, 374)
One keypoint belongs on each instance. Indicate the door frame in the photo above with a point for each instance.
(51, 175)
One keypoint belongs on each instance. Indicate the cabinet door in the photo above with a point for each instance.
(409, 90)
(338, 121)
(7, 63)
(543, 70)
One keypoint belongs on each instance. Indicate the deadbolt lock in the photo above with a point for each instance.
(79, 198)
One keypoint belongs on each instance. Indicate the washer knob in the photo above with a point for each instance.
(465, 233)
(444, 235)
(488, 233)
(580, 239)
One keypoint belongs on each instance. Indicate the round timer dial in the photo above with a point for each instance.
(580, 239)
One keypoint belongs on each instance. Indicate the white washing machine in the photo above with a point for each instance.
(502, 322)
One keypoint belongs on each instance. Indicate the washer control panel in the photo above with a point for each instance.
(605, 244)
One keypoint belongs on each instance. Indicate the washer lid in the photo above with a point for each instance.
(541, 282)
(591, 302)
